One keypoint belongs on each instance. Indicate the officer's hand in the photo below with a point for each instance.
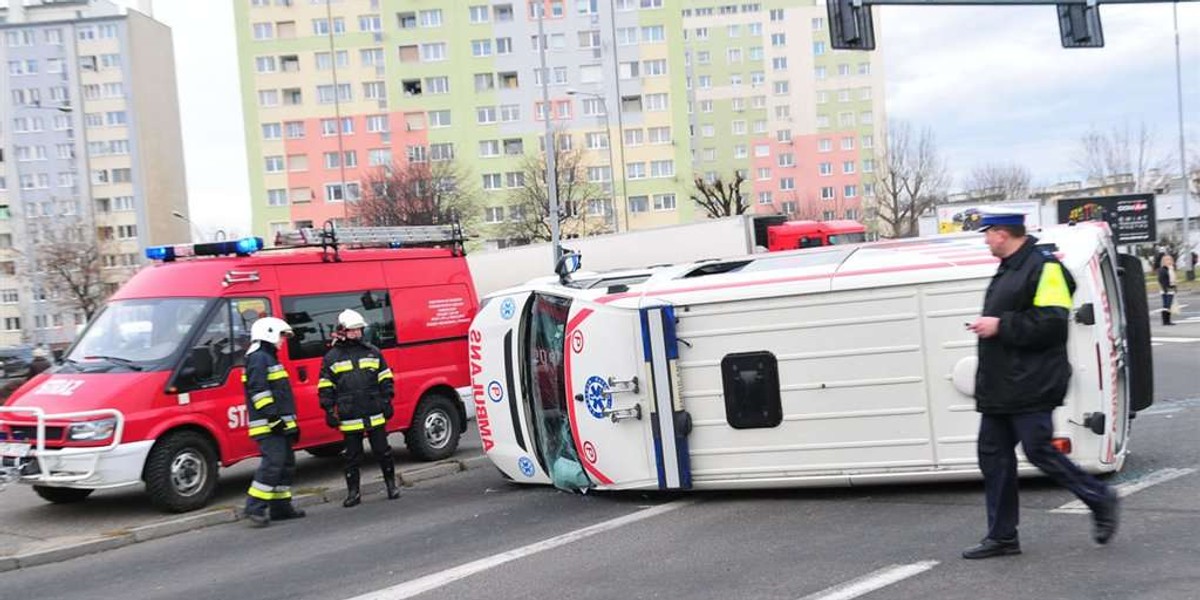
(331, 419)
(985, 327)
(388, 410)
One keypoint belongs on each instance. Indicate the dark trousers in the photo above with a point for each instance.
(272, 485)
(998, 437)
(379, 447)
(1167, 299)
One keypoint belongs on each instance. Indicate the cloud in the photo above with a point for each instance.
(996, 86)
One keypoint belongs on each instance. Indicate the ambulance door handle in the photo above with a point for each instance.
(621, 414)
(302, 374)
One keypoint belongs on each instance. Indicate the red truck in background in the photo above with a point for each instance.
(151, 390)
(791, 235)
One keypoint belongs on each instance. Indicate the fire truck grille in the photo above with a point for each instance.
(28, 433)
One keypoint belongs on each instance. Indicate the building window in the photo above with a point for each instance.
(663, 202)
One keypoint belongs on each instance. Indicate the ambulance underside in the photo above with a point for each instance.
(864, 391)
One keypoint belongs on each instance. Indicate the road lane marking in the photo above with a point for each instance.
(433, 581)
(1174, 340)
(1077, 507)
(872, 581)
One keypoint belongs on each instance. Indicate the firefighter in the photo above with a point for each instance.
(1022, 377)
(356, 389)
(272, 413)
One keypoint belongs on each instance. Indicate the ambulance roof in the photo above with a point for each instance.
(871, 265)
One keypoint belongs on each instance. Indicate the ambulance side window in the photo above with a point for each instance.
(314, 319)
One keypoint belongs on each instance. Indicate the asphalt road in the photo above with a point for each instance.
(899, 542)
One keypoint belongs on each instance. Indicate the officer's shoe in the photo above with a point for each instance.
(393, 490)
(1105, 517)
(988, 548)
(258, 520)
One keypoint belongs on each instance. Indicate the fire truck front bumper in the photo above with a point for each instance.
(82, 468)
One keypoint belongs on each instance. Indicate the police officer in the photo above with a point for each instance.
(1022, 376)
(356, 389)
(272, 412)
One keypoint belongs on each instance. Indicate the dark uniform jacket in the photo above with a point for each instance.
(1024, 368)
(269, 401)
(358, 383)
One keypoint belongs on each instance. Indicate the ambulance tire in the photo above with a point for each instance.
(435, 431)
(59, 495)
(1137, 332)
(326, 451)
(181, 472)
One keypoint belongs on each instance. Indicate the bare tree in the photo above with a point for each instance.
(913, 181)
(529, 211)
(71, 262)
(721, 198)
(416, 193)
(1122, 152)
(999, 181)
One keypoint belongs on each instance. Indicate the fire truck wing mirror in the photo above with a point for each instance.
(198, 367)
(568, 263)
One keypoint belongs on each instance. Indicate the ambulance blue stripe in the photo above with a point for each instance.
(644, 316)
(672, 343)
(667, 455)
(658, 451)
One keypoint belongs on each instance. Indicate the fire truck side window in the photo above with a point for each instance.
(314, 319)
(226, 336)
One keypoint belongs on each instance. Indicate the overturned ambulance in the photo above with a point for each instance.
(845, 365)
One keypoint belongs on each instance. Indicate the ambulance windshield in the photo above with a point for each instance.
(545, 375)
(136, 334)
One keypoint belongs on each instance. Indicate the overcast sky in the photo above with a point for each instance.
(993, 83)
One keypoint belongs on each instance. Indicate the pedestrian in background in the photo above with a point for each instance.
(1168, 284)
(356, 390)
(1022, 377)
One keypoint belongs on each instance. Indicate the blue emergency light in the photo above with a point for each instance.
(242, 247)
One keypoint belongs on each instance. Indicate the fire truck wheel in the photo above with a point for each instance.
(59, 495)
(181, 473)
(434, 432)
(326, 451)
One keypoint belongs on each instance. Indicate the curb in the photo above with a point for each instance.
(188, 523)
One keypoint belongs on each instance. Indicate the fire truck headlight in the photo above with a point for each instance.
(92, 431)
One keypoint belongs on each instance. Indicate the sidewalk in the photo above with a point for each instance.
(33, 531)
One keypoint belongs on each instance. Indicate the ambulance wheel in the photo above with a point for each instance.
(59, 495)
(181, 472)
(326, 451)
(434, 432)
(1139, 355)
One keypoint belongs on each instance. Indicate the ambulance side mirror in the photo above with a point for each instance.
(568, 263)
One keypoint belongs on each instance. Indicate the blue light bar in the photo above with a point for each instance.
(242, 247)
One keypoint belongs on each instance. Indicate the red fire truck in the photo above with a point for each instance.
(791, 235)
(151, 391)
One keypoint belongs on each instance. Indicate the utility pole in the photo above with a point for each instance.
(551, 144)
(1186, 262)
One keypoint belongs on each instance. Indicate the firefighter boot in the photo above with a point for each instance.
(282, 510)
(353, 494)
(388, 466)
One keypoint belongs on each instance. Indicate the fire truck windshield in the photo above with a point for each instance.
(137, 334)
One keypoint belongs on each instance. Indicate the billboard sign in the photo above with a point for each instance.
(954, 218)
(1131, 217)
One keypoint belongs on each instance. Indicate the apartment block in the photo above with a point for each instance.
(654, 93)
(92, 155)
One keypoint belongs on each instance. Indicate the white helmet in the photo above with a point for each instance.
(269, 329)
(350, 319)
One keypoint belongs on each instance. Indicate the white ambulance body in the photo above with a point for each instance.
(836, 366)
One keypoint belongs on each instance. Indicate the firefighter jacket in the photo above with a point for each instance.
(269, 399)
(1024, 367)
(356, 381)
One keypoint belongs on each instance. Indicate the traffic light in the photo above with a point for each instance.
(850, 26)
(1079, 25)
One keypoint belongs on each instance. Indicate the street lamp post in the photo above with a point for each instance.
(551, 144)
(197, 233)
(612, 164)
(1183, 172)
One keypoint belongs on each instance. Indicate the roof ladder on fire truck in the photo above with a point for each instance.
(330, 238)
